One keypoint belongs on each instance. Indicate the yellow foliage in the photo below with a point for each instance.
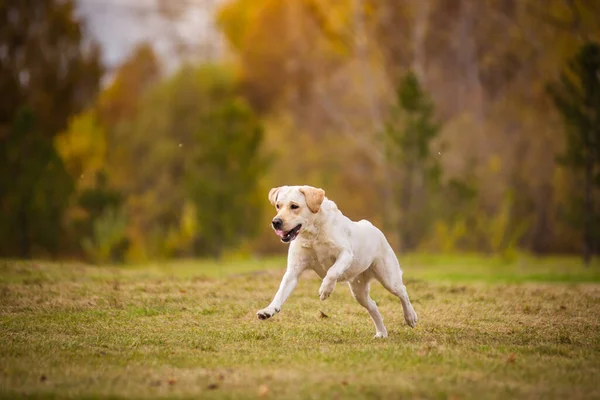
(500, 232)
(494, 163)
(236, 17)
(82, 146)
(181, 238)
(446, 236)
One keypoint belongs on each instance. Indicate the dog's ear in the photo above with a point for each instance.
(314, 197)
(273, 195)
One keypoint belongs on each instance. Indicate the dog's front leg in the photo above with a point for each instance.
(334, 273)
(287, 286)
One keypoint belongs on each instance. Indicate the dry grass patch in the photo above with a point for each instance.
(189, 331)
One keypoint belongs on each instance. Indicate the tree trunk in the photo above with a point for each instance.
(588, 210)
(419, 36)
(404, 228)
(471, 93)
(25, 245)
(366, 71)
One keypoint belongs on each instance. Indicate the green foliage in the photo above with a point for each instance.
(577, 97)
(186, 159)
(414, 172)
(108, 242)
(156, 149)
(35, 190)
(224, 174)
(411, 127)
(180, 239)
(46, 63)
(501, 232)
(47, 73)
(99, 225)
(453, 229)
(319, 75)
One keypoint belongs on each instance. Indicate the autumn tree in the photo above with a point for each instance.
(224, 175)
(47, 63)
(121, 99)
(94, 150)
(48, 71)
(577, 97)
(414, 170)
(35, 190)
(154, 149)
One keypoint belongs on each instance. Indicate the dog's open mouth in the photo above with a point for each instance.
(290, 235)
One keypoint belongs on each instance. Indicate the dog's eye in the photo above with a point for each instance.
(294, 206)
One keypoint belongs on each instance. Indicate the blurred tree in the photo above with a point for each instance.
(48, 71)
(35, 189)
(45, 62)
(119, 105)
(161, 142)
(83, 147)
(284, 47)
(96, 157)
(103, 222)
(120, 100)
(415, 171)
(333, 69)
(224, 174)
(108, 242)
(156, 149)
(577, 97)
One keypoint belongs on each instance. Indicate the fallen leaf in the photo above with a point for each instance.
(171, 381)
(43, 378)
(263, 390)
(323, 315)
(213, 386)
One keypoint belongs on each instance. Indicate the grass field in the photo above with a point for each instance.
(487, 329)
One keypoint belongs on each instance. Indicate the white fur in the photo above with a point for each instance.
(338, 250)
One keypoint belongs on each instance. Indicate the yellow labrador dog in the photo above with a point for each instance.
(336, 248)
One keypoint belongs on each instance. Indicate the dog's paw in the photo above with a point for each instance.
(411, 318)
(267, 313)
(327, 287)
(381, 335)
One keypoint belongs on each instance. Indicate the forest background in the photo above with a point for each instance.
(454, 126)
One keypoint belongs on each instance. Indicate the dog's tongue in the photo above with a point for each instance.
(279, 233)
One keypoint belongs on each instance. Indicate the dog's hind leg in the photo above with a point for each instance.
(360, 291)
(387, 271)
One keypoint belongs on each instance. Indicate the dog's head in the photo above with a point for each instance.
(297, 207)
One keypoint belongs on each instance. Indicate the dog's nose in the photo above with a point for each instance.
(277, 222)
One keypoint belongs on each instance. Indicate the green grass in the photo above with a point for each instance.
(487, 329)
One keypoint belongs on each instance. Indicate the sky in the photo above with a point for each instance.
(121, 24)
